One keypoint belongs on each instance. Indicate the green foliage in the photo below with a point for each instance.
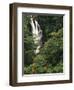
(40, 59)
(50, 58)
(58, 68)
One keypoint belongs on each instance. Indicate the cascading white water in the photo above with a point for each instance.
(37, 34)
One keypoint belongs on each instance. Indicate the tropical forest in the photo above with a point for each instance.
(43, 43)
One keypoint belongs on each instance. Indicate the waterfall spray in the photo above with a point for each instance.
(37, 34)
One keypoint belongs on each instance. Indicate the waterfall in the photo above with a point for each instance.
(37, 34)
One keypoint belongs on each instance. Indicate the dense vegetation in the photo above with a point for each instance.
(50, 58)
